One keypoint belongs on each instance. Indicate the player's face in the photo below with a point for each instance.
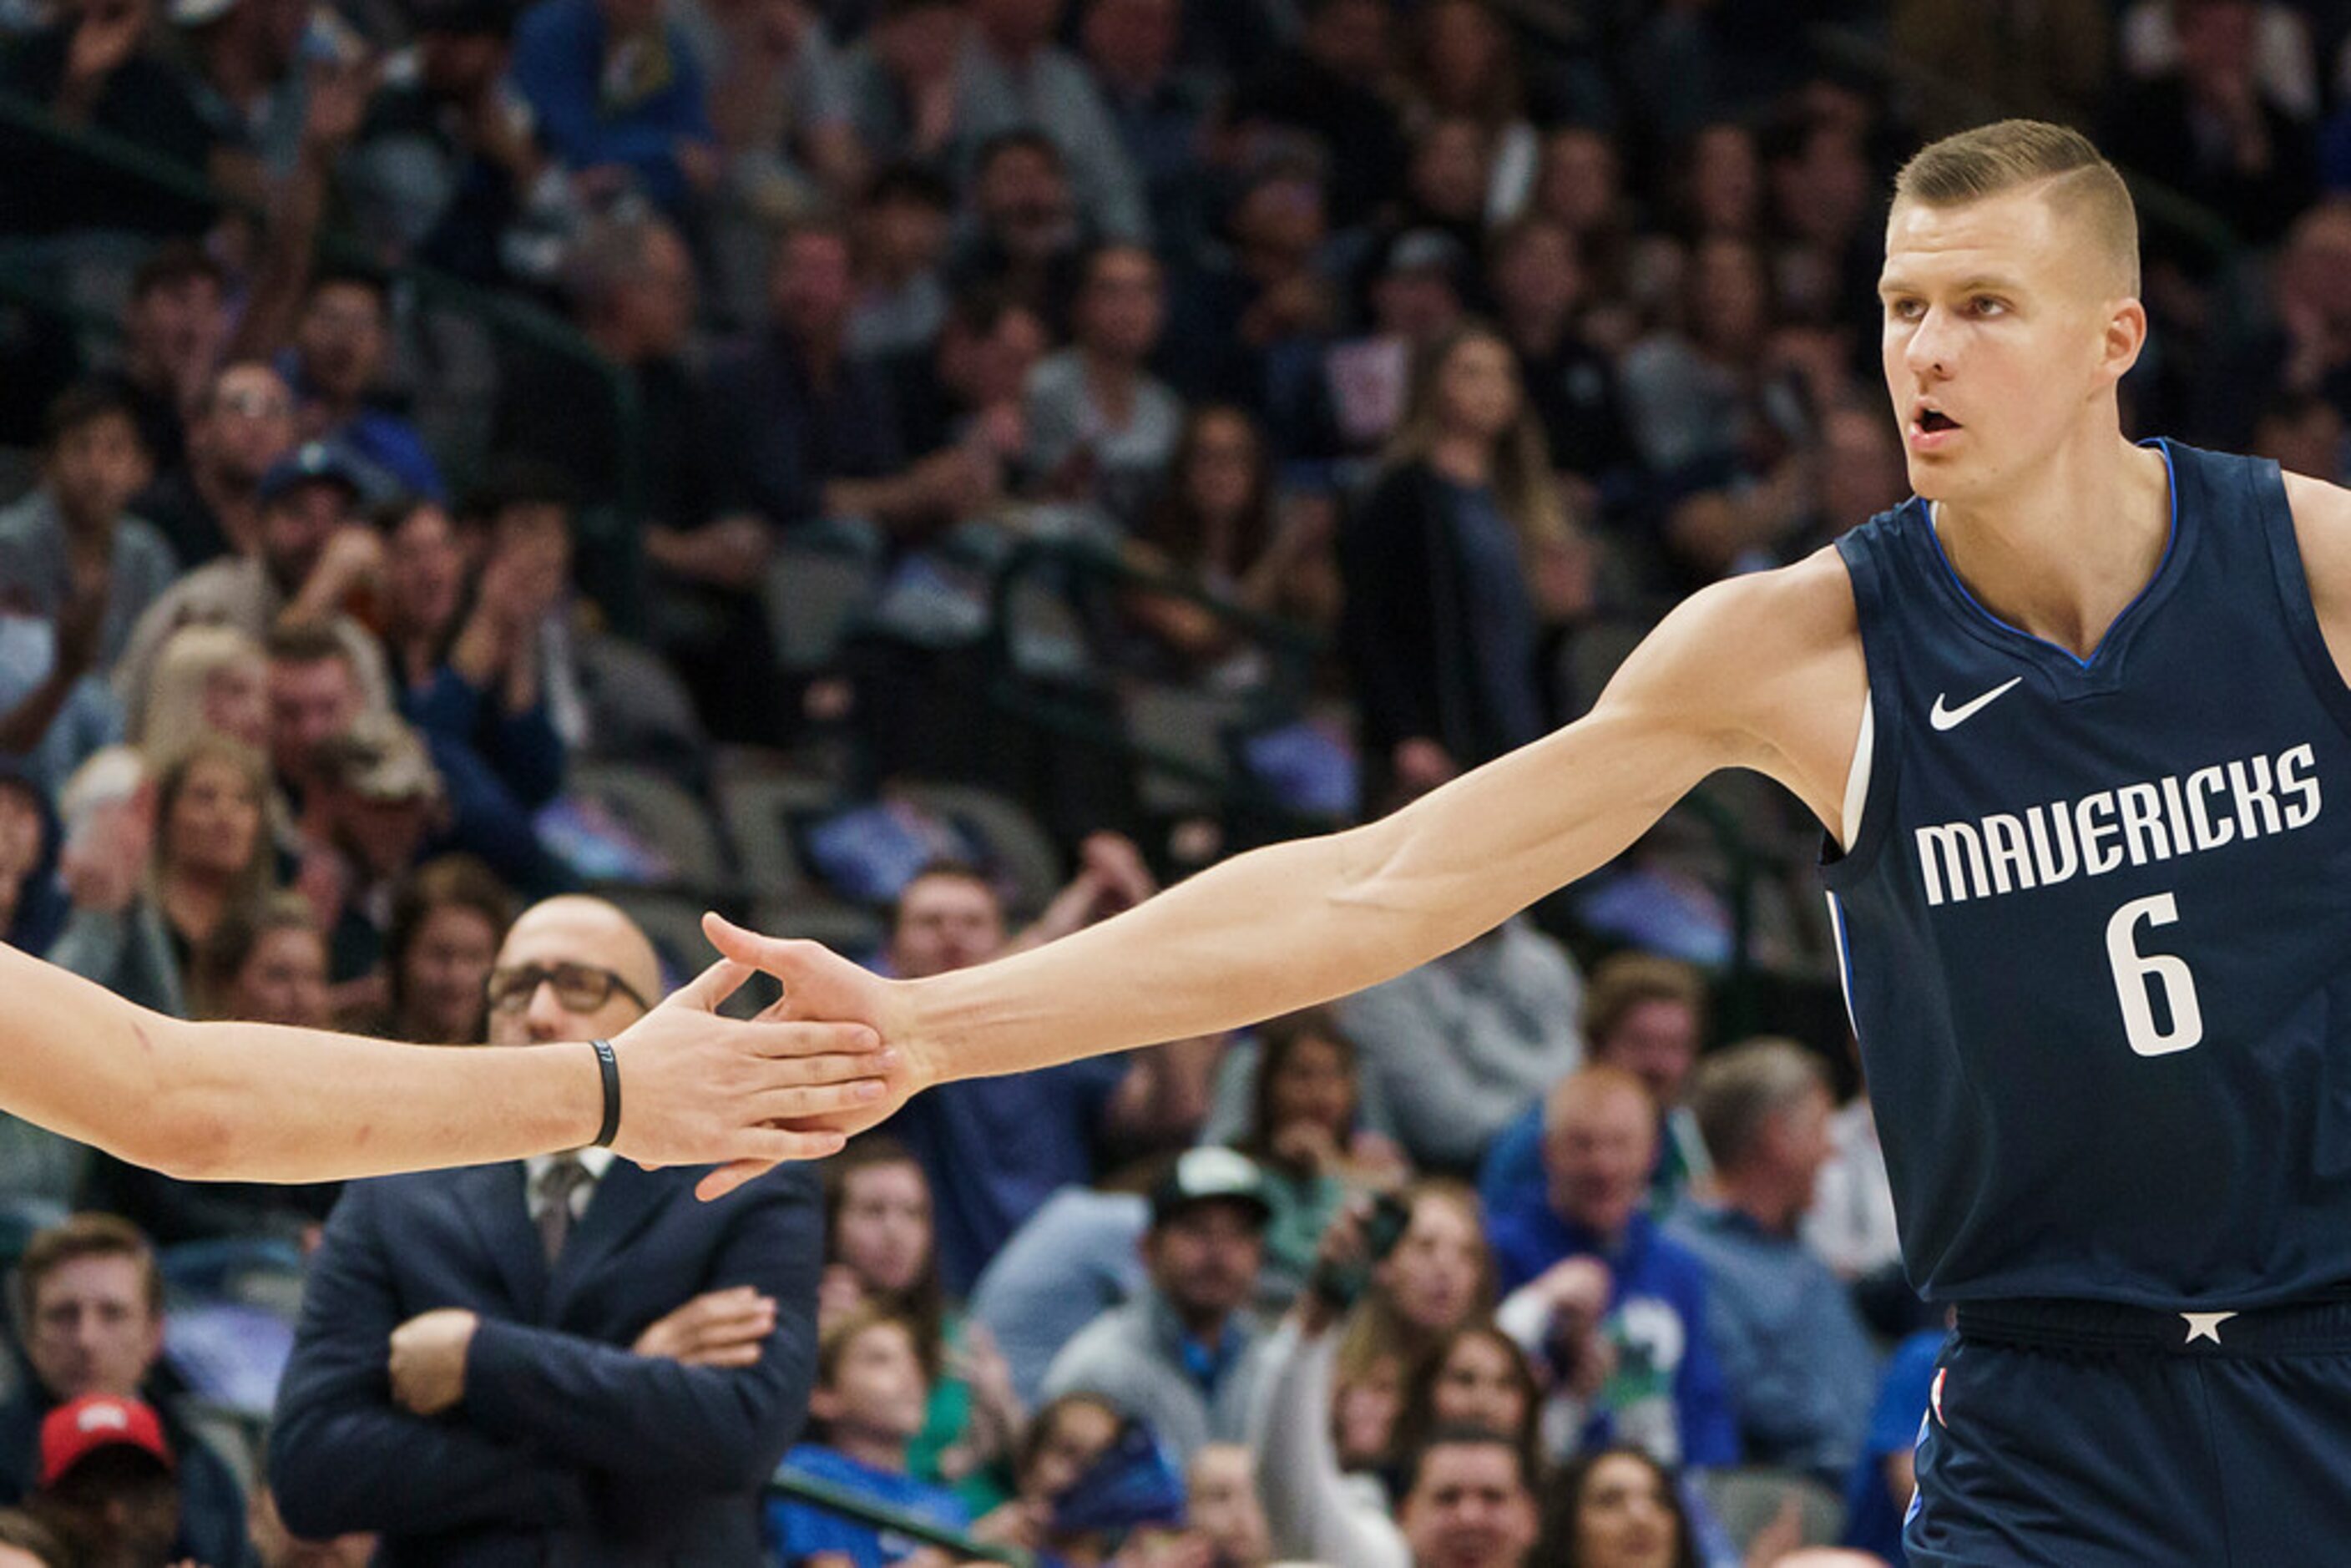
(1623, 1518)
(2001, 339)
(92, 1330)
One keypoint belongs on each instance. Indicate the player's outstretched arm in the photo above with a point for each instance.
(258, 1102)
(1762, 671)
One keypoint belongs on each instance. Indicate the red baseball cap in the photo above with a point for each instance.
(72, 1432)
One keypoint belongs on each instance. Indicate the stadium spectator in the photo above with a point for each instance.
(1468, 1502)
(969, 387)
(1538, 280)
(904, 223)
(880, 1252)
(1218, 521)
(138, 933)
(1101, 428)
(872, 1384)
(1161, 111)
(474, 633)
(1798, 1360)
(447, 919)
(1013, 75)
(1305, 1132)
(1437, 1277)
(374, 807)
(314, 562)
(90, 1298)
(342, 342)
(244, 54)
(530, 1407)
(1644, 1014)
(1184, 1355)
(175, 328)
(1457, 564)
(1617, 1508)
(1029, 237)
(1614, 1308)
(618, 99)
(110, 1487)
(1476, 1378)
(207, 504)
(1466, 69)
(72, 540)
(1223, 1505)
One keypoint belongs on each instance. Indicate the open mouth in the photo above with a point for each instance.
(1934, 420)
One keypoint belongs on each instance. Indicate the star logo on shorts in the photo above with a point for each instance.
(2205, 1325)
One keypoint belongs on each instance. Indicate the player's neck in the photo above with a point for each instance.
(2064, 552)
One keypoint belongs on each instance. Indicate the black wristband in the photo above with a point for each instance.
(609, 1066)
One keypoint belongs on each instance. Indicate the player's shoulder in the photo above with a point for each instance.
(1763, 622)
(2322, 530)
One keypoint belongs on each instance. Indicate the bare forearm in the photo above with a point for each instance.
(254, 1102)
(1304, 922)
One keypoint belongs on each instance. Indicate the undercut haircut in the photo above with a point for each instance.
(2015, 154)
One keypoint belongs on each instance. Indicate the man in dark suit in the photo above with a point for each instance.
(479, 1403)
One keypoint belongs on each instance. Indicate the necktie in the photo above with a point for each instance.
(563, 1177)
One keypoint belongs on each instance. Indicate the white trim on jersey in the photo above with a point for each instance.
(1857, 774)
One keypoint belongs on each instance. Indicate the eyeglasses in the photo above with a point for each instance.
(579, 988)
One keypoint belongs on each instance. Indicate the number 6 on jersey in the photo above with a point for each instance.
(2134, 970)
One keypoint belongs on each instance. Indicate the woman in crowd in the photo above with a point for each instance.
(1305, 1135)
(1465, 66)
(209, 680)
(1459, 565)
(447, 920)
(1476, 1378)
(1616, 1508)
(881, 1249)
(1217, 520)
(136, 927)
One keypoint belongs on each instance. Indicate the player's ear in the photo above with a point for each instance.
(2124, 337)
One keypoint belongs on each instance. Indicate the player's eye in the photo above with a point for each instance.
(1986, 305)
(1904, 309)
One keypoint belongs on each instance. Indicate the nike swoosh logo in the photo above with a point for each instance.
(1951, 718)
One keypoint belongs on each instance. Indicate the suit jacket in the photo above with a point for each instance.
(567, 1449)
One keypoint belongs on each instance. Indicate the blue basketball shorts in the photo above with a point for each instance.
(2078, 1435)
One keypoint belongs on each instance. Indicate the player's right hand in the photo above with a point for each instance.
(824, 990)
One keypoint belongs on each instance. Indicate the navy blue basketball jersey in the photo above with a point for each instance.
(2095, 920)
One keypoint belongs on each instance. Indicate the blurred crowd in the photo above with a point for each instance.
(921, 473)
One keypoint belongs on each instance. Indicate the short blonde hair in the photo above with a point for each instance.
(2014, 154)
(172, 717)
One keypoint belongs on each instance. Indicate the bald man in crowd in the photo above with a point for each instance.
(565, 1359)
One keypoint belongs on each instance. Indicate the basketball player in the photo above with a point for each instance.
(259, 1103)
(2073, 718)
